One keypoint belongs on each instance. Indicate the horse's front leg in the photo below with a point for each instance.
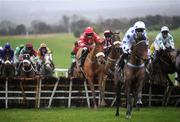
(118, 97)
(128, 101)
(90, 82)
(139, 94)
(101, 82)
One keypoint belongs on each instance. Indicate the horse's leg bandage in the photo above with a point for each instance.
(100, 54)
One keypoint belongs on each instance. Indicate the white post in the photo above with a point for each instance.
(176, 83)
(87, 95)
(52, 95)
(70, 93)
(39, 95)
(6, 94)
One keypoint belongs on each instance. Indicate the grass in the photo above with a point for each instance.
(158, 114)
(60, 44)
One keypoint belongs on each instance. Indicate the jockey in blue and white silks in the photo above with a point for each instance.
(134, 33)
(163, 40)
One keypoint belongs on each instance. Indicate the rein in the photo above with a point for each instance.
(138, 57)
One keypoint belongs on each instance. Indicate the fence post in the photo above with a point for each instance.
(150, 94)
(87, 95)
(6, 94)
(70, 93)
(54, 91)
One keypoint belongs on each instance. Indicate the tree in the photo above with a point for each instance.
(20, 29)
(40, 27)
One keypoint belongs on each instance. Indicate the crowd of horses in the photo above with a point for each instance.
(27, 67)
(133, 76)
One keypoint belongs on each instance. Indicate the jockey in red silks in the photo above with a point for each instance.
(87, 41)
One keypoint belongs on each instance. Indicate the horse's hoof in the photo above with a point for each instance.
(103, 103)
(95, 107)
(117, 114)
(128, 116)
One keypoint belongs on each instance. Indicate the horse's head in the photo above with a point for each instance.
(26, 63)
(48, 61)
(7, 62)
(168, 55)
(139, 49)
(8, 68)
(98, 51)
(116, 40)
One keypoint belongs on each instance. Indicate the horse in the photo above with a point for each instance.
(166, 62)
(114, 53)
(133, 76)
(7, 69)
(47, 67)
(93, 69)
(26, 67)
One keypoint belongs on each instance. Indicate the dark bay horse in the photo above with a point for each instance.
(166, 62)
(7, 69)
(134, 76)
(93, 69)
(114, 53)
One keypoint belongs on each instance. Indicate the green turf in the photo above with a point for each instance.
(61, 44)
(88, 115)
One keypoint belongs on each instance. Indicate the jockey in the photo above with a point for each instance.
(87, 41)
(108, 41)
(28, 49)
(17, 52)
(73, 56)
(7, 52)
(133, 33)
(42, 51)
(163, 40)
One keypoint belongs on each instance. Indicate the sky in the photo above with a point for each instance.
(51, 11)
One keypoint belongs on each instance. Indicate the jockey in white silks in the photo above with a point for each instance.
(136, 32)
(163, 40)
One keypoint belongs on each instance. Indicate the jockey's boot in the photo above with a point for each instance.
(71, 68)
(38, 67)
(83, 57)
(121, 62)
(18, 69)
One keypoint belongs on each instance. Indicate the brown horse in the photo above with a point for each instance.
(94, 68)
(134, 76)
(166, 62)
(115, 52)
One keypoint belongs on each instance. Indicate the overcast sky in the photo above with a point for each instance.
(24, 11)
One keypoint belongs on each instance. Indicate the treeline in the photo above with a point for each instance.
(76, 24)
